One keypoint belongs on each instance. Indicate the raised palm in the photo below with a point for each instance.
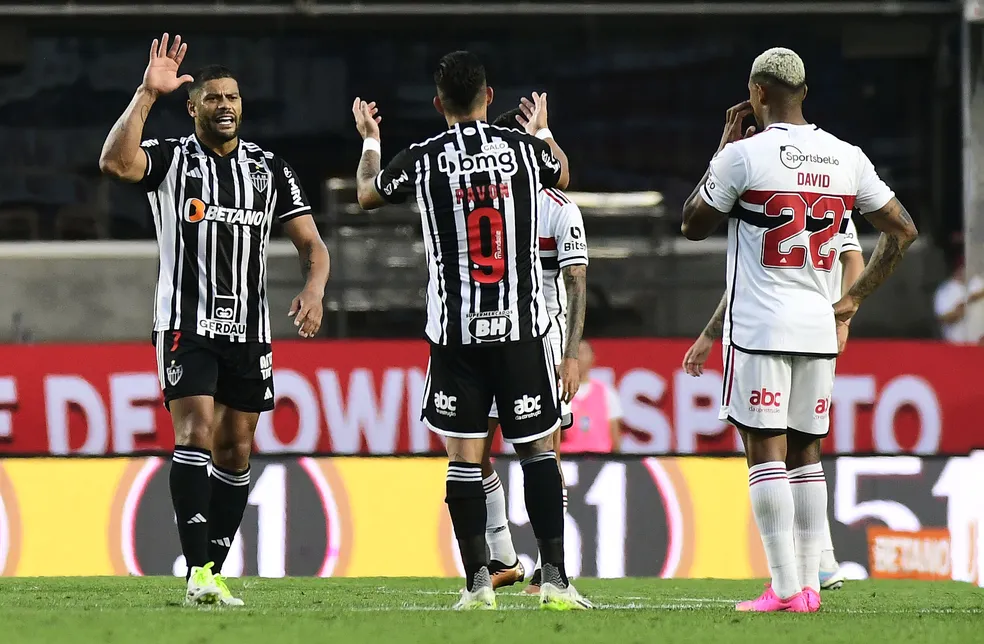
(161, 75)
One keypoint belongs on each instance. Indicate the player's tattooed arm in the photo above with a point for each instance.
(365, 176)
(122, 157)
(897, 234)
(576, 284)
(715, 326)
(367, 123)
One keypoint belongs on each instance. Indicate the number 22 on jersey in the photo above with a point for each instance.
(486, 245)
(821, 214)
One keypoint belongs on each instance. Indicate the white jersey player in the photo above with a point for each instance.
(786, 193)
(564, 260)
(845, 273)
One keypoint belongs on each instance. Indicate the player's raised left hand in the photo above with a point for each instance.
(534, 116)
(366, 119)
(307, 311)
(570, 379)
(845, 308)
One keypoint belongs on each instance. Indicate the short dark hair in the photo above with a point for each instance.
(460, 80)
(508, 119)
(207, 73)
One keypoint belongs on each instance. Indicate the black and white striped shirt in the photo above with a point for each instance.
(213, 217)
(476, 187)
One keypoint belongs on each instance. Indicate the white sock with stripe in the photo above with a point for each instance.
(772, 505)
(809, 492)
(497, 533)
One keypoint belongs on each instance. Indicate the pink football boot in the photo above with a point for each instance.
(812, 599)
(769, 602)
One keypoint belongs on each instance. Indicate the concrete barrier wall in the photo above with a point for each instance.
(104, 291)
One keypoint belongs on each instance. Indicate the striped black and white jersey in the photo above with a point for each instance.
(476, 186)
(562, 243)
(213, 217)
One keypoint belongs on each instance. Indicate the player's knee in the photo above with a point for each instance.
(231, 454)
(526, 450)
(194, 430)
(802, 449)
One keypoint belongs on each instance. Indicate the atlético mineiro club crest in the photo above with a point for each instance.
(174, 373)
(260, 180)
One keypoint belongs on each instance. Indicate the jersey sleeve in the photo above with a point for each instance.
(397, 180)
(849, 240)
(873, 193)
(160, 154)
(727, 179)
(291, 199)
(548, 167)
(568, 232)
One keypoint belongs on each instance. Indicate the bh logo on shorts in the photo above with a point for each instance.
(764, 401)
(527, 407)
(446, 405)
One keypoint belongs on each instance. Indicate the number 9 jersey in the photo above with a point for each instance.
(477, 189)
(789, 191)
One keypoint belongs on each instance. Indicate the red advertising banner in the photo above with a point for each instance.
(347, 397)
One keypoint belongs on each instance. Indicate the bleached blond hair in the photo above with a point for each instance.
(782, 64)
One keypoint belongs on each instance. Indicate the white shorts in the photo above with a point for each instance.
(777, 392)
(566, 415)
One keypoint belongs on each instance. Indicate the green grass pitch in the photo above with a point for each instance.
(149, 610)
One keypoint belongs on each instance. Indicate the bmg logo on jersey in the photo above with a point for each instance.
(527, 407)
(490, 327)
(459, 162)
(765, 400)
(446, 405)
(196, 210)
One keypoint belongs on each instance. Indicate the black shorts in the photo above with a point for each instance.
(236, 374)
(462, 382)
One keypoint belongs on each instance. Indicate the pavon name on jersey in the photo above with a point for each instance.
(196, 210)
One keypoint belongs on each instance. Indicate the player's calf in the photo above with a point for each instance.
(466, 505)
(543, 489)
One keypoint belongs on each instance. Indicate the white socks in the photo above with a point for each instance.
(497, 533)
(772, 504)
(809, 491)
(828, 561)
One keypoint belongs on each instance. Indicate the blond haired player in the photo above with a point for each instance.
(845, 273)
(564, 258)
(786, 193)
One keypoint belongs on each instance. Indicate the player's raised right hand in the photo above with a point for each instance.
(161, 75)
(534, 116)
(732, 124)
(366, 119)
